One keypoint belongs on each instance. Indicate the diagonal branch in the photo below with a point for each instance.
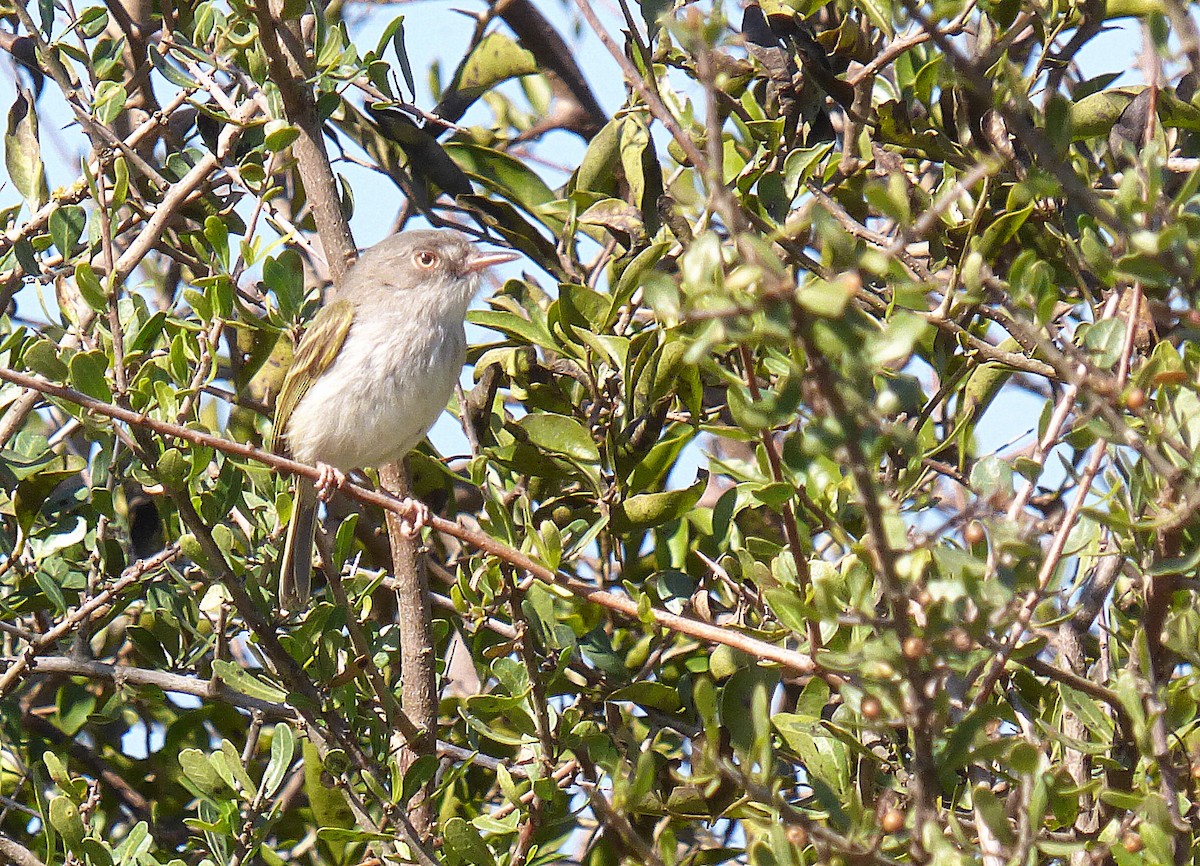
(801, 663)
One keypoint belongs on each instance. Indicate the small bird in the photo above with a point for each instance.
(372, 373)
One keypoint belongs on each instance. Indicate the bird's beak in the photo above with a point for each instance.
(482, 261)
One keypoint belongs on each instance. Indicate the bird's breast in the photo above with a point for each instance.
(391, 380)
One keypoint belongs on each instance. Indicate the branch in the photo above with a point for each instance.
(790, 529)
(647, 93)
(285, 50)
(97, 132)
(554, 55)
(18, 854)
(131, 575)
(215, 690)
(796, 661)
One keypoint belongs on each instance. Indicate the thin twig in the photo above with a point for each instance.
(796, 661)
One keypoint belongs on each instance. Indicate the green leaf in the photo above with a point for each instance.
(96, 852)
(397, 28)
(169, 70)
(465, 842)
(988, 805)
(42, 358)
(495, 59)
(1095, 114)
(548, 541)
(990, 476)
(1002, 231)
(52, 591)
(502, 174)
(657, 696)
(415, 777)
(652, 468)
(237, 677)
(135, 845)
(196, 767)
(616, 216)
(647, 510)
(173, 469)
(283, 749)
(23, 152)
(824, 298)
(65, 819)
(1105, 340)
(92, 21)
(90, 288)
(652, 13)
(800, 165)
(597, 170)
(789, 608)
(87, 370)
(533, 333)
(559, 434)
(635, 140)
(278, 135)
(217, 235)
(109, 101)
(57, 772)
(284, 276)
(347, 835)
(66, 227)
(227, 762)
(32, 493)
(328, 803)
(880, 13)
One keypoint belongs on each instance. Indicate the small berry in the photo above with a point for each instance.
(973, 533)
(1135, 399)
(892, 821)
(797, 835)
(1132, 842)
(959, 639)
(872, 708)
(914, 648)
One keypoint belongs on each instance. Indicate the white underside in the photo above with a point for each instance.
(377, 401)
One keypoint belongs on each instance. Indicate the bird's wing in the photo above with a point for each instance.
(318, 349)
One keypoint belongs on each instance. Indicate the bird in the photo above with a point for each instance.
(372, 373)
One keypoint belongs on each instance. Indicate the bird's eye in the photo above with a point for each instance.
(425, 259)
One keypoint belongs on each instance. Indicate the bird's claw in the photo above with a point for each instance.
(412, 523)
(329, 481)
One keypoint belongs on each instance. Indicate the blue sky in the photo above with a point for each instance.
(435, 32)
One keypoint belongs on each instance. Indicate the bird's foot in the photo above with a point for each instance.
(329, 481)
(412, 523)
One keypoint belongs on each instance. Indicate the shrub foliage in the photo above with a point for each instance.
(914, 292)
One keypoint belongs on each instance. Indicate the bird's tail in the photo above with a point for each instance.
(295, 576)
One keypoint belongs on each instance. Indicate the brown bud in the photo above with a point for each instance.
(872, 708)
(959, 639)
(1132, 842)
(892, 821)
(973, 533)
(914, 648)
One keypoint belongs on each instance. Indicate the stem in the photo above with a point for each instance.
(418, 673)
(790, 528)
(799, 662)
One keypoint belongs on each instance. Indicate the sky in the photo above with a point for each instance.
(435, 32)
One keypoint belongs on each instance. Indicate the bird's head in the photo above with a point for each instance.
(433, 266)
